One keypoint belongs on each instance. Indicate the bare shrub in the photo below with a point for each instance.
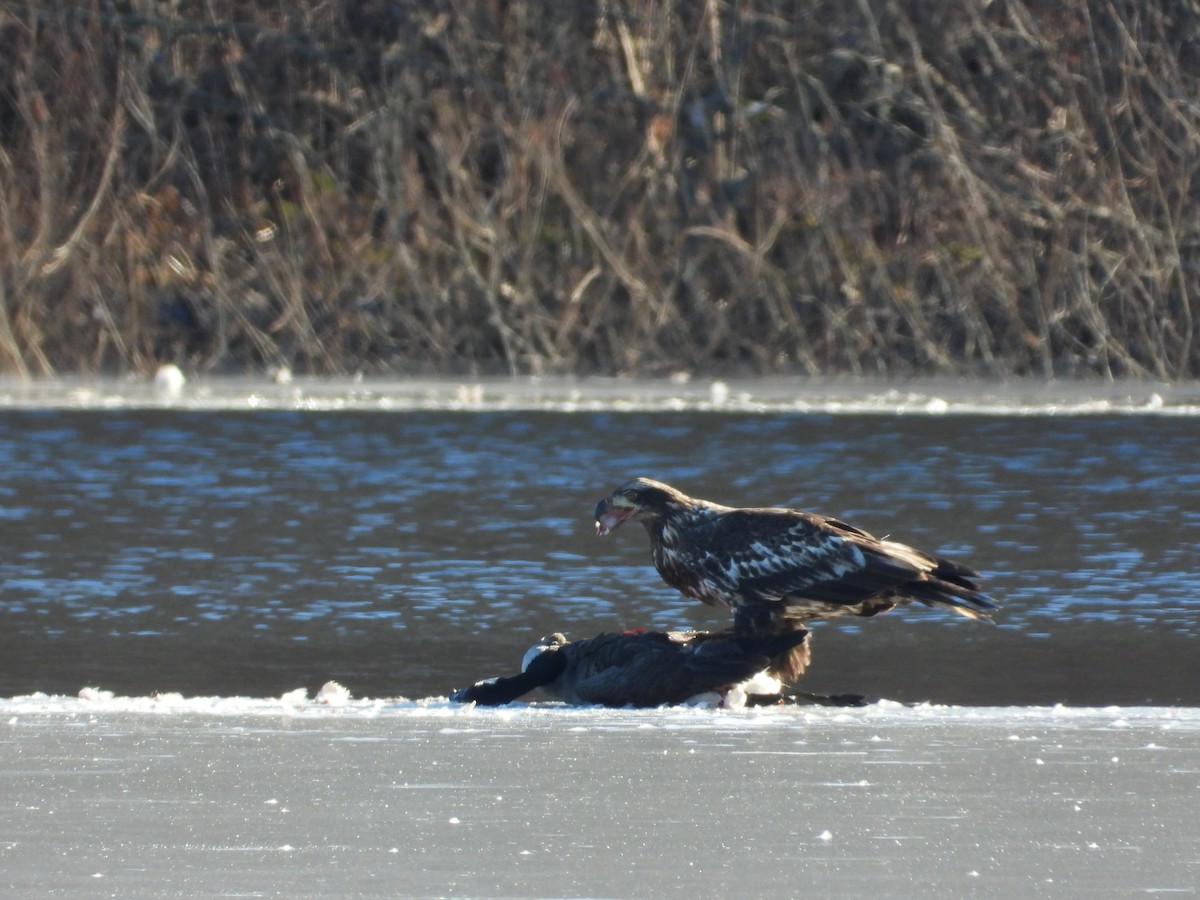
(880, 187)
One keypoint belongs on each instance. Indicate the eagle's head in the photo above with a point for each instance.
(642, 499)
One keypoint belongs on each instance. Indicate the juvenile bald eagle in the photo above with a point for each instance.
(779, 567)
(646, 668)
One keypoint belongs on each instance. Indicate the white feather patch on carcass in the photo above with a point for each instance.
(760, 684)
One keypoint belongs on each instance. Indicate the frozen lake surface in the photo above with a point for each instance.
(332, 796)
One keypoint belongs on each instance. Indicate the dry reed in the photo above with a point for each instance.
(879, 187)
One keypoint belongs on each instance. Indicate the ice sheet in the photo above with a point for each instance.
(921, 396)
(335, 795)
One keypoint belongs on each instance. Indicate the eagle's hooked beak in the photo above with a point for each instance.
(610, 514)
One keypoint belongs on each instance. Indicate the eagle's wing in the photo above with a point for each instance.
(626, 670)
(654, 668)
(771, 554)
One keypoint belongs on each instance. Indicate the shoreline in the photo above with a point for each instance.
(799, 394)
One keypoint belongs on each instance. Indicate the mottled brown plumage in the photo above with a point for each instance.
(777, 568)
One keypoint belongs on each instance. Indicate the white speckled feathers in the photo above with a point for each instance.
(802, 564)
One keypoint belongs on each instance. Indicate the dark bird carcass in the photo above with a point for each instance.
(646, 669)
(779, 568)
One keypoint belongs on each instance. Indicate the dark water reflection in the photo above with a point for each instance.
(407, 553)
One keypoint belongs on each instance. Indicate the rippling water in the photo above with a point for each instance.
(409, 552)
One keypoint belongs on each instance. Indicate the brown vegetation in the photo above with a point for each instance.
(631, 186)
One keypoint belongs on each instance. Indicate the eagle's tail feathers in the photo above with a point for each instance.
(965, 600)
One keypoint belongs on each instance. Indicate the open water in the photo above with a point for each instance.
(407, 552)
(180, 577)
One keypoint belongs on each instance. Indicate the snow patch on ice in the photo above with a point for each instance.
(333, 701)
(333, 694)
